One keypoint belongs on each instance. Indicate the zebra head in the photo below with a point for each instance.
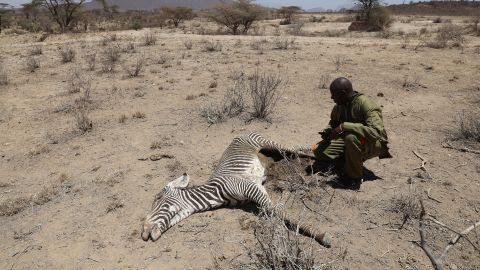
(166, 209)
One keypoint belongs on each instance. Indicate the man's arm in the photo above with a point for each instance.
(373, 127)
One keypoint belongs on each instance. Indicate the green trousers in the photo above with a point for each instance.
(353, 149)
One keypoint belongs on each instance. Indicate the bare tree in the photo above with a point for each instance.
(177, 14)
(64, 12)
(367, 6)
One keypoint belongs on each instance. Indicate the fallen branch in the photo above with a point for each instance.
(461, 149)
(424, 162)
(430, 197)
(437, 262)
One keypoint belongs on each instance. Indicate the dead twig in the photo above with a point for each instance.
(422, 167)
(430, 197)
(461, 149)
(437, 262)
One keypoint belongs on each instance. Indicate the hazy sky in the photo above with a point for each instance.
(306, 4)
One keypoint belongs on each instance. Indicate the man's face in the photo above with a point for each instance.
(338, 96)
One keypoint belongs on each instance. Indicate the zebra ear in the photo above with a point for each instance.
(180, 182)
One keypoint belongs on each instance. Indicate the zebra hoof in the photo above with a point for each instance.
(326, 240)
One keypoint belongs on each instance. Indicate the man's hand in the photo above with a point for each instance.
(315, 146)
(337, 132)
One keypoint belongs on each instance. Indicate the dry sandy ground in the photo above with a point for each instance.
(93, 189)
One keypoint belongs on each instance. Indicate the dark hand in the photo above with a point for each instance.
(337, 132)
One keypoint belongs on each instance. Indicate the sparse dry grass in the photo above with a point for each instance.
(14, 206)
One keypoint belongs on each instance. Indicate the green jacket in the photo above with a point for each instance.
(362, 116)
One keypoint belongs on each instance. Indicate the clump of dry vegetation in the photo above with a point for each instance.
(3, 75)
(448, 35)
(232, 105)
(111, 56)
(324, 82)
(83, 122)
(122, 119)
(91, 60)
(36, 50)
(149, 39)
(32, 64)
(137, 68)
(67, 54)
(406, 204)
(265, 90)
(138, 115)
(213, 46)
(14, 206)
(469, 127)
(277, 247)
(188, 44)
(283, 43)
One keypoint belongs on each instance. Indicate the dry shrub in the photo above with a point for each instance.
(12, 207)
(406, 204)
(36, 50)
(448, 35)
(258, 45)
(296, 29)
(67, 54)
(265, 92)
(91, 61)
(283, 43)
(149, 39)
(112, 54)
(137, 68)
(188, 44)
(379, 19)
(213, 47)
(138, 115)
(83, 122)
(339, 62)
(469, 127)
(122, 119)
(277, 247)
(129, 48)
(324, 82)
(32, 64)
(3, 75)
(233, 103)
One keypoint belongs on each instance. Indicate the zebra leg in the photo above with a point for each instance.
(259, 195)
